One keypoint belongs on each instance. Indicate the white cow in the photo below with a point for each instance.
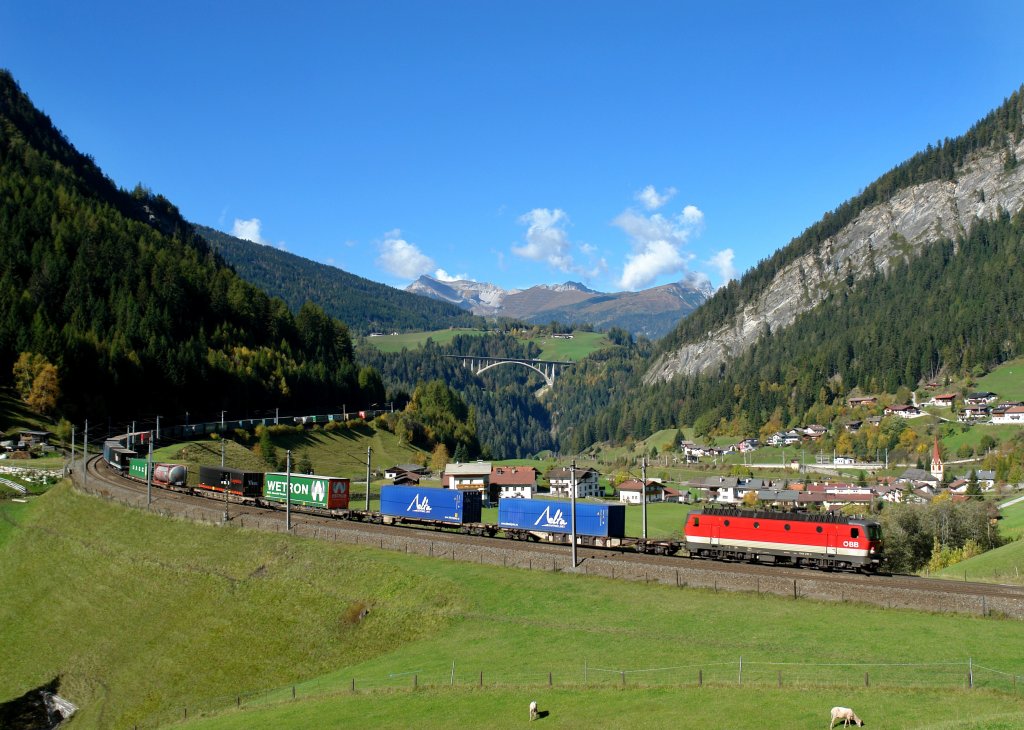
(533, 710)
(846, 715)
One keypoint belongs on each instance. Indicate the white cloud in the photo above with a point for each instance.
(658, 242)
(650, 198)
(723, 263)
(656, 258)
(248, 230)
(442, 275)
(546, 238)
(692, 216)
(401, 258)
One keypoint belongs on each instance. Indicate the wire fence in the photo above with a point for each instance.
(959, 674)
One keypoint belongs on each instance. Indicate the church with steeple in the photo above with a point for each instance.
(937, 468)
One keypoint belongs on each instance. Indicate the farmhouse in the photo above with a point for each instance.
(903, 411)
(866, 400)
(631, 489)
(474, 476)
(560, 480)
(514, 482)
(943, 399)
(973, 413)
(401, 471)
(1013, 414)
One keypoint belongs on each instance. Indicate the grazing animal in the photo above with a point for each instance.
(533, 710)
(846, 715)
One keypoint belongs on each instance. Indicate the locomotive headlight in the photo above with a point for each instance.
(872, 550)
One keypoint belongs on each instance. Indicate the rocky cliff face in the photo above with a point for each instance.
(900, 227)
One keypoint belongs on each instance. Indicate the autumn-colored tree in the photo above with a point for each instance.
(37, 381)
(439, 458)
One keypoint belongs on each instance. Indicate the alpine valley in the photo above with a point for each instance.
(130, 307)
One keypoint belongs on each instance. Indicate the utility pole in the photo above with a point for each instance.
(643, 494)
(369, 451)
(288, 493)
(85, 453)
(149, 474)
(222, 452)
(158, 428)
(572, 523)
(72, 448)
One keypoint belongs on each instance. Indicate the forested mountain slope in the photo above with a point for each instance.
(955, 306)
(920, 275)
(130, 306)
(939, 193)
(365, 306)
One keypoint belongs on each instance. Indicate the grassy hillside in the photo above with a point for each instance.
(1002, 565)
(333, 453)
(145, 615)
(1012, 524)
(581, 345)
(719, 708)
(1007, 381)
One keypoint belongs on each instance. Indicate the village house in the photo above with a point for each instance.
(731, 490)
(979, 399)
(405, 471)
(944, 400)
(866, 400)
(514, 482)
(560, 480)
(973, 413)
(1012, 414)
(903, 411)
(786, 498)
(919, 478)
(474, 476)
(630, 490)
(815, 431)
(682, 496)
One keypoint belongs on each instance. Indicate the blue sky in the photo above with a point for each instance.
(620, 144)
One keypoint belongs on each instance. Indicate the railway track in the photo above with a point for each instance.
(896, 591)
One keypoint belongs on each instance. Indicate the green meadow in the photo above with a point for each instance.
(146, 618)
(581, 345)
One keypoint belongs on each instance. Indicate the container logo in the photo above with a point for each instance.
(419, 504)
(551, 520)
(318, 491)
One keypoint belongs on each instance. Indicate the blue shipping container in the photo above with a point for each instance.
(541, 515)
(434, 504)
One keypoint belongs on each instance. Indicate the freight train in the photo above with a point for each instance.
(828, 542)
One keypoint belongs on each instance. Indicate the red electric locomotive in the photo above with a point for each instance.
(785, 538)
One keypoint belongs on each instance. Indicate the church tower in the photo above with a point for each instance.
(937, 469)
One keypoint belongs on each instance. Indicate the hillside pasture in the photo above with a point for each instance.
(1006, 381)
(146, 616)
(581, 345)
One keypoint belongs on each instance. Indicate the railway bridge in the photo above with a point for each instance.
(547, 368)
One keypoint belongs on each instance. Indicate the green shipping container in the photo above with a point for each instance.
(307, 490)
(137, 469)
